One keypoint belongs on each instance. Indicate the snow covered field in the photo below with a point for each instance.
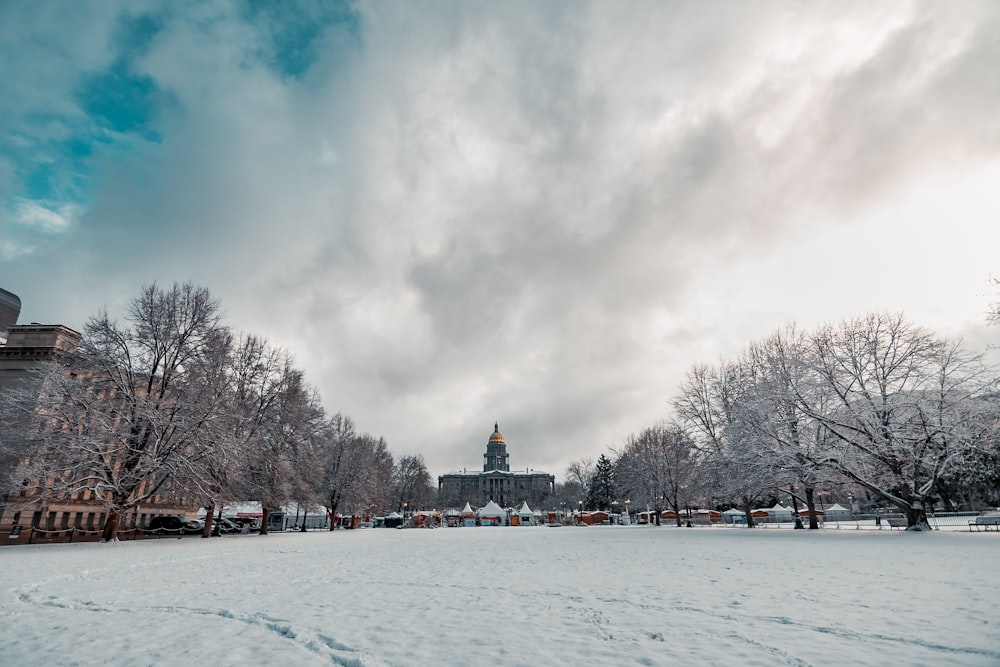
(508, 596)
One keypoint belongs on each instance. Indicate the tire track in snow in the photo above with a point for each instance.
(338, 653)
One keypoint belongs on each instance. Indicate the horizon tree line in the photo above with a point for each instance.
(873, 403)
(171, 403)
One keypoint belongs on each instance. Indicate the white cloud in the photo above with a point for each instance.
(44, 216)
(544, 214)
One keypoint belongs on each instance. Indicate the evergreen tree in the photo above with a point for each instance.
(602, 486)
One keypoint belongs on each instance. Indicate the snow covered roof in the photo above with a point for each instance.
(524, 509)
(734, 511)
(836, 507)
(480, 473)
(467, 509)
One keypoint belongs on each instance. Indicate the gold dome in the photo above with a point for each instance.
(497, 436)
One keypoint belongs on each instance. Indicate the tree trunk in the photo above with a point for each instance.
(916, 517)
(748, 508)
(811, 504)
(305, 516)
(265, 518)
(333, 513)
(209, 515)
(110, 533)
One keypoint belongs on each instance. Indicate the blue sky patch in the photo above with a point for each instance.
(53, 154)
(294, 30)
(119, 108)
(121, 101)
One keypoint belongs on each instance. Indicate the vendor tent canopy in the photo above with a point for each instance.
(778, 513)
(491, 514)
(734, 516)
(491, 510)
(805, 511)
(837, 512)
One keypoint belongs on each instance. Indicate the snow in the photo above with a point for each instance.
(600, 595)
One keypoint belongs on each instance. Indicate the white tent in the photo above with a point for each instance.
(837, 512)
(525, 516)
(491, 514)
(468, 516)
(778, 513)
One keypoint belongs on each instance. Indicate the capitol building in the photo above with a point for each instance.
(495, 482)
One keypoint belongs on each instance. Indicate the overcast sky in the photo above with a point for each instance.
(537, 213)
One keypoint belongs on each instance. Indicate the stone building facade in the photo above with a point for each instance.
(81, 515)
(496, 481)
(10, 308)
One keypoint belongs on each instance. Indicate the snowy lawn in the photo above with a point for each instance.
(508, 596)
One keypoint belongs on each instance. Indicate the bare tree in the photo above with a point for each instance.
(258, 374)
(904, 407)
(282, 457)
(377, 492)
(578, 474)
(771, 410)
(354, 467)
(413, 483)
(134, 417)
(343, 463)
(659, 467)
(568, 496)
(709, 410)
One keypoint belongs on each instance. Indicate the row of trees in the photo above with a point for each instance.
(875, 403)
(171, 403)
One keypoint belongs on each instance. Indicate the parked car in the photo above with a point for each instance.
(222, 525)
(250, 523)
(175, 524)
